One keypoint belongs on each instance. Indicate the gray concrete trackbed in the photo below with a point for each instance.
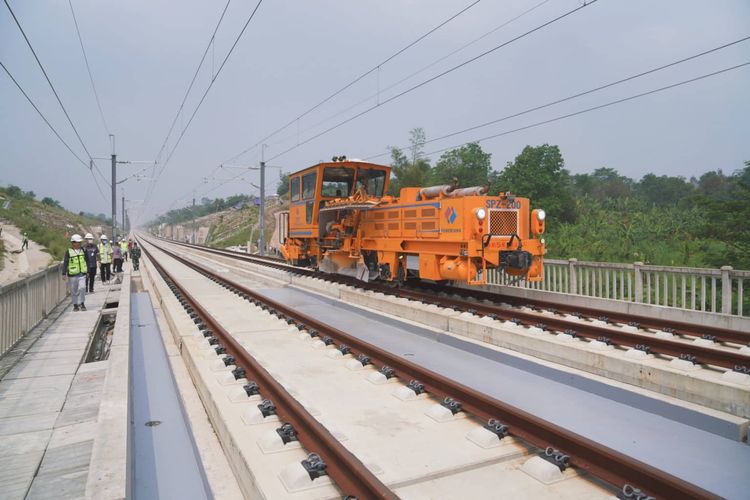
(685, 443)
(166, 462)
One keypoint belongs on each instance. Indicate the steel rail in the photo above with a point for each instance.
(671, 326)
(727, 359)
(649, 343)
(675, 327)
(603, 462)
(343, 467)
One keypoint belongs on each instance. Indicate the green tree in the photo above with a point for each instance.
(417, 138)
(713, 183)
(604, 184)
(51, 202)
(664, 190)
(609, 184)
(282, 187)
(469, 164)
(539, 173)
(406, 172)
(728, 220)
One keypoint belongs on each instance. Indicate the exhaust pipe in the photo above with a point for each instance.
(435, 191)
(469, 191)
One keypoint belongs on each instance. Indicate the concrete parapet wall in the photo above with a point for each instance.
(621, 306)
(26, 302)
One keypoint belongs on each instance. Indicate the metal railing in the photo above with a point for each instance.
(699, 289)
(24, 303)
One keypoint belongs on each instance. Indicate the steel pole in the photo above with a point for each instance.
(262, 245)
(114, 194)
(123, 216)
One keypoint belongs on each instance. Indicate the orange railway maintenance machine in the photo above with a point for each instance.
(341, 221)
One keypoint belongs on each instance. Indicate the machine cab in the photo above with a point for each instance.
(310, 189)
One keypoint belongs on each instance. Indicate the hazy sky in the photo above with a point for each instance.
(295, 53)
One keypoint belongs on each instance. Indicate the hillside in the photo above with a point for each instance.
(225, 228)
(45, 221)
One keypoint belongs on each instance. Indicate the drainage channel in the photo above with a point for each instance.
(101, 340)
(164, 459)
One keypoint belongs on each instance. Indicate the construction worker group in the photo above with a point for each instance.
(81, 262)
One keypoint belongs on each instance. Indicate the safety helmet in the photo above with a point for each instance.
(103, 237)
(76, 238)
(88, 236)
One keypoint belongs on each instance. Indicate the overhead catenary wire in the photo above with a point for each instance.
(88, 69)
(192, 81)
(356, 80)
(594, 108)
(195, 111)
(98, 187)
(375, 68)
(54, 131)
(400, 51)
(213, 80)
(579, 94)
(439, 75)
(205, 180)
(557, 118)
(417, 72)
(54, 91)
(211, 177)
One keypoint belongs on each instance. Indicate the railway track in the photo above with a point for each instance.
(649, 335)
(327, 455)
(564, 448)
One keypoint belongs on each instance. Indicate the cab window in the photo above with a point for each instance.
(294, 188)
(373, 180)
(337, 182)
(308, 185)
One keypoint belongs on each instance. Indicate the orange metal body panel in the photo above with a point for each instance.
(439, 239)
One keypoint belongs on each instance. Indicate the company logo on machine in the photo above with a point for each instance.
(450, 215)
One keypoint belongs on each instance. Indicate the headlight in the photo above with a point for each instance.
(481, 213)
(541, 215)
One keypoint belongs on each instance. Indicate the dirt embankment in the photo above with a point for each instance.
(18, 264)
(232, 227)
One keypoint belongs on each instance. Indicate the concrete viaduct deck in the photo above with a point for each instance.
(129, 399)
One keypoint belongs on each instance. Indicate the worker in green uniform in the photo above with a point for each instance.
(135, 254)
(105, 258)
(75, 269)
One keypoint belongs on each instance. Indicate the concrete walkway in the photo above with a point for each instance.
(49, 404)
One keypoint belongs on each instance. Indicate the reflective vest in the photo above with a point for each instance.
(124, 246)
(105, 253)
(76, 262)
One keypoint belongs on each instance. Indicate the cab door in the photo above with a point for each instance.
(296, 207)
(303, 210)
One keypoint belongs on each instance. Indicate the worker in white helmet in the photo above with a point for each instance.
(74, 269)
(92, 256)
(105, 258)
